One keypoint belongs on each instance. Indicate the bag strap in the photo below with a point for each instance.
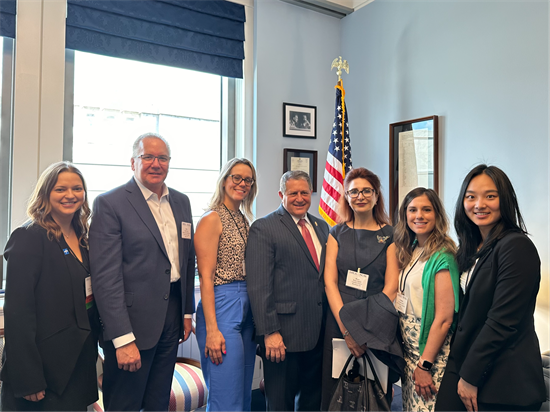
(345, 368)
(365, 355)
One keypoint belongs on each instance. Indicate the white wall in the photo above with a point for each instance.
(483, 68)
(294, 48)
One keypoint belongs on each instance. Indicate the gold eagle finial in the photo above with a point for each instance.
(340, 64)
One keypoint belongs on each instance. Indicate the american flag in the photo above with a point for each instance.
(338, 159)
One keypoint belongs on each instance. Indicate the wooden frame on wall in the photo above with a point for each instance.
(300, 159)
(299, 121)
(414, 159)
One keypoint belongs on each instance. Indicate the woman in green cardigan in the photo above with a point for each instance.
(427, 298)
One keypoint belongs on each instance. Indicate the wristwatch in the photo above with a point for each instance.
(425, 365)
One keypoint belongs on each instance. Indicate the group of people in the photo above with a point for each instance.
(281, 286)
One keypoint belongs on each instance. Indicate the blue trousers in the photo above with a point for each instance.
(230, 383)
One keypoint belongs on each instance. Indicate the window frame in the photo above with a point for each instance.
(6, 142)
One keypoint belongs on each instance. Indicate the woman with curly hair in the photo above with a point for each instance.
(51, 321)
(428, 294)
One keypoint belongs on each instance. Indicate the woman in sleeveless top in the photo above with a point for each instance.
(427, 299)
(224, 318)
(362, 242)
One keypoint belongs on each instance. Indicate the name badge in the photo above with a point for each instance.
(357, 280)
(88, 283)
(185, 230)
(401, 303)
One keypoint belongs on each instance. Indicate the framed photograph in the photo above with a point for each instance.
(304, 160)
(414, 160)
(299, 121)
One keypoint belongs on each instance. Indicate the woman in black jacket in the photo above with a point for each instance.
(51, 321)
(495, 361)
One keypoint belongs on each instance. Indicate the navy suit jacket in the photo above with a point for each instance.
(130, 267)
(283, 282)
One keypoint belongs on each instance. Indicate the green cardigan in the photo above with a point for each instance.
(440, 260)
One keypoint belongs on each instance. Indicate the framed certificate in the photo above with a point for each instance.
(304, 160)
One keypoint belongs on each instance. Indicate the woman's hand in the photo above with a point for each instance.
(35, 397)
(215, 346)
(423, 384)
(468, 395)
(354, 348)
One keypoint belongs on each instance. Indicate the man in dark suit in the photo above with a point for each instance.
(287, 297)
(142, 265)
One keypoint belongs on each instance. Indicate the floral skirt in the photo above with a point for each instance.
(410, 331)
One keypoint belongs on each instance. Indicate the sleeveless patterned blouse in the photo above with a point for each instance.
(230, 262)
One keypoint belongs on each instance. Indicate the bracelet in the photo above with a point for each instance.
(346, 333)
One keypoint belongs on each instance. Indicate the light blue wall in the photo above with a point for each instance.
(294, 50)
(483, 68)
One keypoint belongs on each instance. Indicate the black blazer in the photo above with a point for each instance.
(495, 346)
(283, 283)
(46, 322)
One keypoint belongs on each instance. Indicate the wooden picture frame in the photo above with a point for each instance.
(414, 159)
(299, 121)
(301, 159)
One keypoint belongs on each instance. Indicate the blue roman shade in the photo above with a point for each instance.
(7, 18)
(203, 35)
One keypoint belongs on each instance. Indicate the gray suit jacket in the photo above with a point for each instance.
(283, 283)
(130, 267)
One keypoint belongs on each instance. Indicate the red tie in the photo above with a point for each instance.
(309, 241)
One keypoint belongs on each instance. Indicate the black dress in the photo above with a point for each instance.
(81, 388)
(357, 248)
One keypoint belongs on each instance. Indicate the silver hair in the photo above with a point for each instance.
(135, 147)
(295, 175)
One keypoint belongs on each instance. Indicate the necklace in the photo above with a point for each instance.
(237, 226)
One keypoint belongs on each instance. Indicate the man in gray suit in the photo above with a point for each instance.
(287, 296)
(143, 269)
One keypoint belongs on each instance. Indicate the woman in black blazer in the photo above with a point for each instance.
(495, 361)
(51, 322)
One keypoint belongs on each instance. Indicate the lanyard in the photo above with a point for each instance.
(403, 280)
(237, 226)
(355, 241)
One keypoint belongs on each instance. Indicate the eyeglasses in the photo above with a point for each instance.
(147, 158)
(237, 179)
(367, 192)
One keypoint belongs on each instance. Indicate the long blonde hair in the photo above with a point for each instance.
(39, 207)
(405, 239)
(219, 194)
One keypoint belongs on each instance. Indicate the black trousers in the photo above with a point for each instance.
(149, 387)
(295, 383)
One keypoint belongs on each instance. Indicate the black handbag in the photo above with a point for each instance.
(365, 395)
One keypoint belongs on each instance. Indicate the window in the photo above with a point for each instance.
(116, 100)
(6, 93)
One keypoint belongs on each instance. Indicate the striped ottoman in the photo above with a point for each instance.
(188, 388)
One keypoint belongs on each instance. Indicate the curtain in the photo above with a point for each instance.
(203, 35)
(7, 18)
